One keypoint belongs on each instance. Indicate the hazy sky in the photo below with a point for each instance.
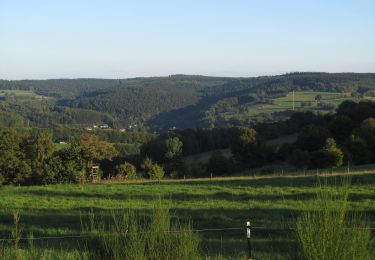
(120, 39)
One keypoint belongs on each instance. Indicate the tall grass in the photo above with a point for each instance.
(129, 236)
(332, 231)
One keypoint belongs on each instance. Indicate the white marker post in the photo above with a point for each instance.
(248, 234)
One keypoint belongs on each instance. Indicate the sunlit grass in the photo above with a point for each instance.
(269, 202)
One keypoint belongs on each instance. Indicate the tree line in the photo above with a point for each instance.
(159, 103)
(323, 141)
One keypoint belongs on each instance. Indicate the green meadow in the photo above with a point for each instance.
(302, 100)
(24, 94)
(271, 203)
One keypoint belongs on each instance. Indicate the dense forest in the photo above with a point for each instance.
(161, 103)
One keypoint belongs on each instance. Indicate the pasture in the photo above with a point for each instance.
(302, 100)
(272, 203)
(22, 94)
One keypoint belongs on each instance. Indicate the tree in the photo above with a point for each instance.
(312, 138)
(127, 170)
(245, 144)
(162, 149)
(14, 170)
(218, 164)
(39, 148)
(147, 163)
(299, 158)
(329, 156)
(94, 149)
(357, 151)
(341, 127)
(12, 140)
(54, 171)
(336, 153)
(66, 166)
(367, 132)
(248, 148)
(173, 147)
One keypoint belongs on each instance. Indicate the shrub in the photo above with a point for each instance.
(329, 232)
(153, 170)
(156, 172)
(127, 170)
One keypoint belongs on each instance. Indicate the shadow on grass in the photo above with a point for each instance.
(279, 181)
(175, 196)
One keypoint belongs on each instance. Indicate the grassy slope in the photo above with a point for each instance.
(269, 202)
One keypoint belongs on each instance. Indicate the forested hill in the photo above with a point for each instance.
(179, 100)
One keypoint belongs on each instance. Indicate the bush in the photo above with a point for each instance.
(127, 170)
(329, 232)
(153, 170)
(156, 172)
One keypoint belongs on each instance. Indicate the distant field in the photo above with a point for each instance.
(300, 98)
(271, 203)
(21, 94)
(59, 146)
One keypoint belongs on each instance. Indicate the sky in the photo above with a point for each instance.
(121, 39)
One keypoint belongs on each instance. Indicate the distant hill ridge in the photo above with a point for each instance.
(181, 100)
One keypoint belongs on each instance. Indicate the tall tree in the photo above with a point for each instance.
(367, 132)
(336, 153)
(39, 148)
(94, 149)
(173, 147)
(329, 156)
(248, 148)
(312, 138)
(13, 169)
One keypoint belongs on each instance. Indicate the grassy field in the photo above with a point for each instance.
(300, 97)
(25, 94)
(59, 146)
(271, 203)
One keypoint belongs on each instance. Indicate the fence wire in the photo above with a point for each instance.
(166, 231)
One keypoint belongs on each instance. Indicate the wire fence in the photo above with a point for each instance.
(166, 231)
